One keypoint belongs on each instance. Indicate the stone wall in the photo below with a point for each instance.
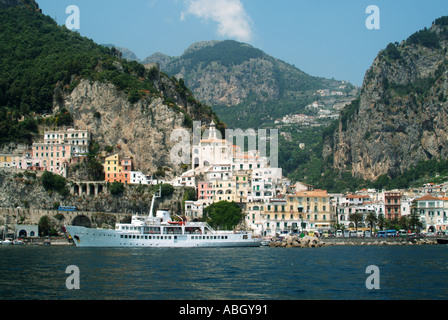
(59, 218)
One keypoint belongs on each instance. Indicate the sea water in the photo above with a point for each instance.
(326, 273)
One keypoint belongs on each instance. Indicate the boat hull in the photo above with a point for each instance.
(442, 240)
(86, 237)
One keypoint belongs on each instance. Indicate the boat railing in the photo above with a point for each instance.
(204, 225)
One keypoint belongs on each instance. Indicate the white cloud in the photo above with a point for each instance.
(232, 19)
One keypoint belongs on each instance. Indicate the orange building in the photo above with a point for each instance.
(118, 170)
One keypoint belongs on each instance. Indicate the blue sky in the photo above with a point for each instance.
(326, 38)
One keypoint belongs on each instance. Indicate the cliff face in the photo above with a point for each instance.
(142, 129)
(401, 117)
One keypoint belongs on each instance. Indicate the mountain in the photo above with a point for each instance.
(401, 117)
(162, 59)
(238, 81)
(46, 69)
(126, 53)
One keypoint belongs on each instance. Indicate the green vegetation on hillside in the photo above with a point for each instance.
(36, 55)
(41, 62)
(54, 182)
(226, 53)
(424, 38)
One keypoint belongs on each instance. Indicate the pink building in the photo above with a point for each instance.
(205, 193)
(53, 157)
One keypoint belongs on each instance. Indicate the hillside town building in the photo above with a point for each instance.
(222, 171)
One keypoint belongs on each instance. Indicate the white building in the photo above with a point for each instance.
(212, 149)
(218, 172)
(266, 183)
(194, 210)
(78, 139)
(433, 213)
(138, 177)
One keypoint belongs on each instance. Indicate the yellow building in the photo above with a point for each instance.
(301, 211)
(242, 186)
(6, 161)
(273, 217)
(222, 190)
(313, 207)
(112, 169)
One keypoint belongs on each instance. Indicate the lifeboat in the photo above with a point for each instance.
(179, 223)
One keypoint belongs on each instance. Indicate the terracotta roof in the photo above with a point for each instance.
(315, 193)
(428, 197)
(353, 196)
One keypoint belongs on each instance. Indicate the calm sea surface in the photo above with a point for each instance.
(406, 272)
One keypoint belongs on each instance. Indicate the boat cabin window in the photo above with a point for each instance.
(172, 230)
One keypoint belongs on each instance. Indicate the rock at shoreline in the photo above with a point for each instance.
(313, 242)
(297, 242)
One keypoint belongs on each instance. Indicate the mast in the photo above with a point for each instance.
(156, 195)
(5, 230)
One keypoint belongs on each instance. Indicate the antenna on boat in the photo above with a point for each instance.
(156, 195)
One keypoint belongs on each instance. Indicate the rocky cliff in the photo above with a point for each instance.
(401, 117)
(141, 129)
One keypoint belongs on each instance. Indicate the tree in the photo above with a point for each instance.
(95, 169)
(54, 182)
(46, 227)
(166, 189)
(372, 219)
(381, 221)
(116, 188)
(355, 218)
(224, 215)
(414, 220)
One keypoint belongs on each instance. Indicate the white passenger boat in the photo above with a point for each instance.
(160, 231)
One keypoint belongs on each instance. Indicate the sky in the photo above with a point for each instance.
(327, 38)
